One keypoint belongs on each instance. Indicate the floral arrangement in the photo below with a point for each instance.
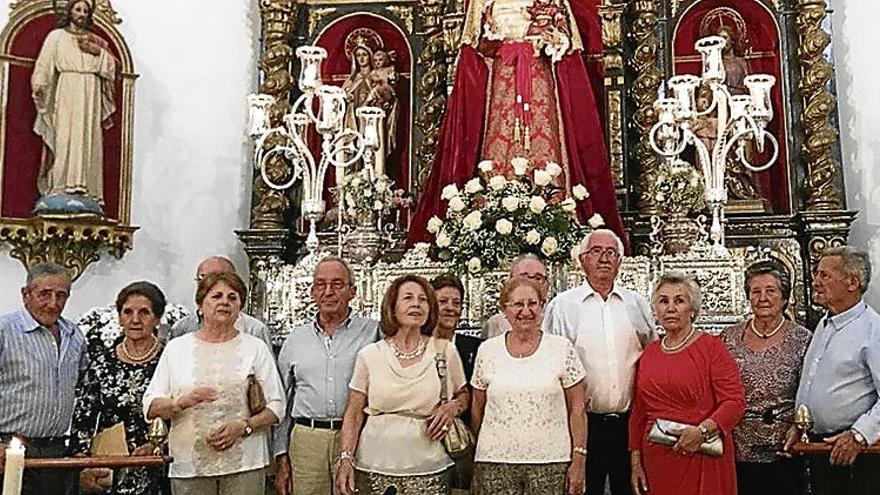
(678, 189)
(368, 195)
(495, 219)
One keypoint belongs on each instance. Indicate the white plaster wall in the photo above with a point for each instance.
(856, 40)
(191, 188)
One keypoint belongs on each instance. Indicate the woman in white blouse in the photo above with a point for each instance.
(528, 405)
(201, 385)
(396, 387)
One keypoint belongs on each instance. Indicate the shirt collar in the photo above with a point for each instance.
(841, 320)
(345, 324)
(31, 324)
(590, 291)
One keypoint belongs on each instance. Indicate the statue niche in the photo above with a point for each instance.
(752, 38)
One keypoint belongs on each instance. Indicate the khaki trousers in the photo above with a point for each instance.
(245, 483)
(313, 453)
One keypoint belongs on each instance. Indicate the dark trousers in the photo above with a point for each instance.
(48, 481)
(608, 453)
(862, 478)
(782, 477)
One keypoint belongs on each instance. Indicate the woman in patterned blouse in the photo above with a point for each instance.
(112, 389)
(769, 350)
(528, 405)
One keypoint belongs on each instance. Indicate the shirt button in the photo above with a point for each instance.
(331, 378)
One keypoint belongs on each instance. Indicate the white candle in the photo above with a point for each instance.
(14, 468)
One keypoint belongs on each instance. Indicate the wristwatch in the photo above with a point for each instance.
(248, 430)
(858, 437)
(704, 432)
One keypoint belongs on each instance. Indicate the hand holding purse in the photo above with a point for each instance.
(459, 440)
(662, 433)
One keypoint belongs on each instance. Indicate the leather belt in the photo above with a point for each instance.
(321, 424)
(621, 416)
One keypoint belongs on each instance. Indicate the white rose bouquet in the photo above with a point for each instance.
(491, 218)
(366, 196)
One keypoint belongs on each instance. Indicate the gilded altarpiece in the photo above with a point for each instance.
(789, 213)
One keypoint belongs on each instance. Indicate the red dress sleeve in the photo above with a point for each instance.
(727, 388)
(638, 416)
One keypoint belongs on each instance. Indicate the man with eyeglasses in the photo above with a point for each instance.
(531, 267)
(609, 326)
(316, 364)
(41, 357)
(245, 323)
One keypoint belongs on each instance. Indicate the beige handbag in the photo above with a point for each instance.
(661, 434)
(459, 440)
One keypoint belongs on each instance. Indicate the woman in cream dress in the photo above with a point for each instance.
(395, 390)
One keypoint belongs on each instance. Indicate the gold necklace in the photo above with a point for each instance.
(143, 358)
(533, 346)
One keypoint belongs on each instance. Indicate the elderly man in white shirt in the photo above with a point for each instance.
(609, 326)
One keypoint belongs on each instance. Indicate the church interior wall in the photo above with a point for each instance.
(191, 180)
(191, 183)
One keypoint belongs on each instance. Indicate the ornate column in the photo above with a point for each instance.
(431, 88)
(823, 184)
(643, 94)
(824, 222)
(267, 238)
(612, 40)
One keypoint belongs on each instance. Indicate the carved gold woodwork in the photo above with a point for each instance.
(431, 89)
(612, 36)
(615, 135)
(269, 206)
(71, 241)
(405, 13)
(316, 15)
(643, 93)
(823, 171)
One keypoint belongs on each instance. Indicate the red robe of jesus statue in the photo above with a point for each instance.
(521, 89)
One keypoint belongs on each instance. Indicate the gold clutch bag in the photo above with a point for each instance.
(661, 435)
(110, 442)
(458, 441)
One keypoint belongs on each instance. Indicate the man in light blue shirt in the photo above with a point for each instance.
(841, 375)
(316, 364)
(41, 357)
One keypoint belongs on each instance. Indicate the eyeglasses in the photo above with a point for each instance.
(47, 294)
(521, 305)
(598, 252)
(334, 285)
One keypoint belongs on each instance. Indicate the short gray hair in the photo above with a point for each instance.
(337, 259)
(695, 295)
(586, 240)
(854, 262)
(44, 270)
(525, 256)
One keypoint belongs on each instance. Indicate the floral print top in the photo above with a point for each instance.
(111, 392)
(770, 379)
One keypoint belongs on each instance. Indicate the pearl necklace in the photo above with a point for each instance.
(143, 358)
(404, 355)
(765, 335)
(680, 345)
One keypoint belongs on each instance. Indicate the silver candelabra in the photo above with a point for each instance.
(323, 107)
(739, 119)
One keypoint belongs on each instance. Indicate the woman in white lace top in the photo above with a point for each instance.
(528, 405)
(201, 385)
(395, 396)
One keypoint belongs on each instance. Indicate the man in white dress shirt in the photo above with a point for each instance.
(609, 326)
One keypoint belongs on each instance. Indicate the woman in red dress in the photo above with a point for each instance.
(687, 377)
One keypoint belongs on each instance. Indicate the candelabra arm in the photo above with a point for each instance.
(680, 145)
